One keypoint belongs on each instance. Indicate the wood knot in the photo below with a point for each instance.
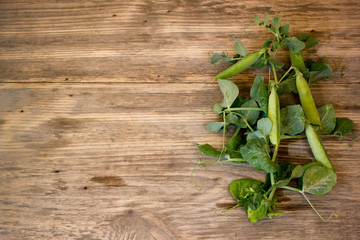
(109, 180)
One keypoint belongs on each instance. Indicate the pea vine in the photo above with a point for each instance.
(259, 123)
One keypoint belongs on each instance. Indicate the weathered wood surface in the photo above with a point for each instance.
(101, 100)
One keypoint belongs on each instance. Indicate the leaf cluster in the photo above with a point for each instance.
(247, 120)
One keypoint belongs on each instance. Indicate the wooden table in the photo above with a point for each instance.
(100, 102)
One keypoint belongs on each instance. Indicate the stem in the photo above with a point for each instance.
(312, 206)
(223, 145)
(272, 192)
(287, 72)
(270, 31)
(324, 135)
(291, 188)
(275, 153)
(272, 179)
(242, 109)
(209, 163)
(235, 159)
(293, 136)
(339, 136)
(302, 193)
(269, 82)
(248, 125)
(246, 122)
(274, 73)
(237, 205)
(276, 52)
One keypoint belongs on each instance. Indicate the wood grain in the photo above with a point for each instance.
(101, 100)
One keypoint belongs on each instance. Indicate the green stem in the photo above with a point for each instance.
(287, 72)
(292, 136)
(272, 193)
(302, 193)
(274, 73)
(223, 144)
(242, 109)
(227, 160)
(269, 82)
(272, 179)
(312, 206)
(270, 31)
(276, 52)
(291, 188)
(275, 153)
(248, 125)
(246, 122)
(339, 136)
(237, 205)
(324, 135)
(236, 159)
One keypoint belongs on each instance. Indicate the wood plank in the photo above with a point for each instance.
(152, 41)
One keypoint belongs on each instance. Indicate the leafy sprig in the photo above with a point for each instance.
(250, 141)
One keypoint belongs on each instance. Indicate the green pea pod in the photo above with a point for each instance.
(317, 147)
(274, 116)
(240, 65)
(306, 99)
(298, 62)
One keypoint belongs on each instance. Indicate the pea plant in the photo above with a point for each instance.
(260, 124)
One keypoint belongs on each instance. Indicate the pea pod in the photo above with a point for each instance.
(317, 147)
(306, 99)
(274, 116)
(298, 62)
(240, 66)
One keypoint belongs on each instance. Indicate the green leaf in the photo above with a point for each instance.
(235, 119)
(318, 180)
(277, 65)
(318, 71)
(215, 127)
(266, 18)
(308, 39)
(306, 167)
(242, 188)
(248, 192)
(288, 85)
(235, 142)
(297, 172)
(230, 92)
(267, 43)
(328, 119)
(257, 20)
(250, 115)
(261, 62)
(256, 153)
(260, 93)
(284, 30)
(209, 150)
(343, 125)
(287, 172)
(218, 108)
(259, 212)
(217, 56)
(255, 135)
(239, 47)
(264, 125)
(239, 101)
(275, 25)
(294, 44)
(292, 120)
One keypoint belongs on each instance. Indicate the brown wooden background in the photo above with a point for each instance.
(101, 100)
